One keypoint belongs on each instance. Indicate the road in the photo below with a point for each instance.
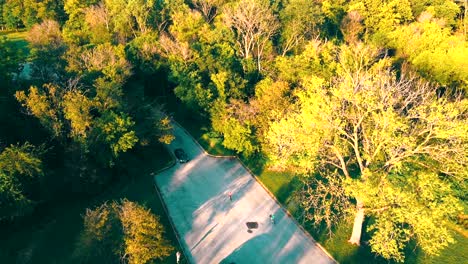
(213, 228)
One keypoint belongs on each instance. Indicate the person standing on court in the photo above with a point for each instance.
(230, 196)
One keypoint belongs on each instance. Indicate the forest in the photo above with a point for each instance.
(363, 104)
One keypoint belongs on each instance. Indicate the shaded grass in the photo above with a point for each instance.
(53, 238)
(18, 38)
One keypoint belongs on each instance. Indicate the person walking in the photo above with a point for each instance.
(178, 256)
(272, 218)
(230, 196)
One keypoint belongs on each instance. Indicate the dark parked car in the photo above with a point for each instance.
(181, 155)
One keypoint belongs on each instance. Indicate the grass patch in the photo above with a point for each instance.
(18, 38)
(52, 240)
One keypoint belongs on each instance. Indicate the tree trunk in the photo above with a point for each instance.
(358, 220)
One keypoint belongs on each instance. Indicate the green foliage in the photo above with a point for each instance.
(13, 203)
(317, 58)
(300, 21)
(101, 235)
(270, 103)
(425, 204)
(238, 137)
(115, 129)
(381, 17)
(12, 10)
(108, 94)
(47, 48)
(18, 165)
(44, 104)
(358, 123)
(76, 109)
(446, 10)
(152, 125)
(143, 234)
(270, 78)
(434, 52)
(113, 228)
(21, 160)
(235, 127)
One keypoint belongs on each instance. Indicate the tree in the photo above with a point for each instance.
(152, 124)
(101, 238)
(12, 10)
(143, 234)
(76, 109)
(105, 59)
(381, 17)
(115, 130)
(271, 102)
(47, 48)
(122, 231)
(382, 141)
(18, 165)
(254, 24)
(446, 10)
(45, 105)
(209, 8)
(300, 21)
(75, 30)
(233, 122)
(351, 27)
(433, 51)
(98, 19)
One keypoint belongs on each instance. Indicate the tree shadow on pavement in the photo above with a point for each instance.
(274, 246)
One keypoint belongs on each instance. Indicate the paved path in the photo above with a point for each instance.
(213, 228)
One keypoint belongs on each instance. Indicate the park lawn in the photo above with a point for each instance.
(52, 240)
(283, 185)
(19, 39)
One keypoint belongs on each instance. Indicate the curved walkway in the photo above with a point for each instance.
(214, 229)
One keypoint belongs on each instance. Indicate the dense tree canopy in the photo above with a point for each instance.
(364, 100)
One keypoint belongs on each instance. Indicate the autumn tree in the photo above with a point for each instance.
(98, 19)
(209, 8)
(352, 27)
(47, 48)
(394, 146)
(122, 231)
(143, 234)
(271, 102)
(44, 104)
(101, 237)
(446, 11)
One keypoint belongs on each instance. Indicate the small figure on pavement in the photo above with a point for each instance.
(272, 218)
(178, 256)
(230, 196)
